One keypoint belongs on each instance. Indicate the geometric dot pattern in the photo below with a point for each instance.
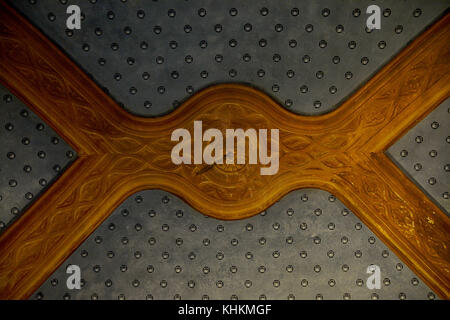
(424, 154)
(150, 56)
(306, 246)
(32, 157)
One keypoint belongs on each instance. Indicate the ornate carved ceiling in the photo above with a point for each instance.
(341, 152)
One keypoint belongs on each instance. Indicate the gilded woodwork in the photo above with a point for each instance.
(119, 154)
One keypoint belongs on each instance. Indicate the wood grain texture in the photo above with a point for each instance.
(119, 154)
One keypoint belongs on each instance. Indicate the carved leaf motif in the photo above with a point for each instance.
(86, 118)
(295, 142)
(335, 163)
(210, 189)
(74, 95)
(91, 189)
(163, 162)
(128, 164)
(126, 145)
(333, 141)
(30, 75)
(412, 85)
(295, 159)
(162, 145)
(54, 86)
(351, 179)
(372, 186)
(231, 194)
(69, 201)
(42, 64)
(386, 95)
(375, 116)
(15, 51)
(109, 129)
(404, 219)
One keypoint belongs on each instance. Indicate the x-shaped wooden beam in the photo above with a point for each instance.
(119, 154)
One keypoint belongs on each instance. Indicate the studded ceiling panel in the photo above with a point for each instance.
(309, 55)
(306, 246)
(424, 154)
(32, 156)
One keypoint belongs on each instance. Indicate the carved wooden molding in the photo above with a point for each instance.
(119, 154)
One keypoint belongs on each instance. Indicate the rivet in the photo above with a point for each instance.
(140, 14)
(356, 12)
(309, 28)
(220, 256)
(264, 11)
(157, 29)
(435, 125)
(191, 256)
(417, 12)
(382, 44)
(202, 12)
(171, 13)
(51, 16)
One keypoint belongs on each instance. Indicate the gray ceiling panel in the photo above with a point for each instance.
(306, 246)
(424, 154)
(32, 155)
(308, 55)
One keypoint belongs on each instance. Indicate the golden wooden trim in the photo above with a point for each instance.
(119, 154)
